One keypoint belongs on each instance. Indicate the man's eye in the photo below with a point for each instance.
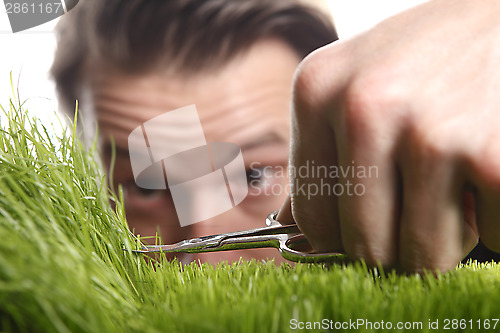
(131, 190)
(255, 175)
(260, 177)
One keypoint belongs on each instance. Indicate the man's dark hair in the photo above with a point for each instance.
(187, 35)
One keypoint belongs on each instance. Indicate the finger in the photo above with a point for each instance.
(432, 227)
(285, 213)
(366, 132)
(318, 86)
(482, 167)
(369, 202)
(313, 207)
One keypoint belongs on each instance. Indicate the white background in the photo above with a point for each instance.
(28, 55)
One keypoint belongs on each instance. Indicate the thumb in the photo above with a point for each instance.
(285, 213)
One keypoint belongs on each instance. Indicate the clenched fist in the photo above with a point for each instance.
(417, 99)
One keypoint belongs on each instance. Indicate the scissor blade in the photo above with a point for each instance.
(213, 242)
(188, 245)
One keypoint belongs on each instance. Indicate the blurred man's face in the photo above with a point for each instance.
(246, 102)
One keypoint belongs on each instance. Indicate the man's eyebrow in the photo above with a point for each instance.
(264, 140)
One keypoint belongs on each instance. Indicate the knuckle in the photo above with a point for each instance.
(485, 164)
(319, 77)
(427, 143)
(371, 104)
(366, 95)
(308, 80)
(375, 90)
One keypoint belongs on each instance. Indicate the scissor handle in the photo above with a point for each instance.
(297, 248)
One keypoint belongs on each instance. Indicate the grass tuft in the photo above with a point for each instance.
(62, 267)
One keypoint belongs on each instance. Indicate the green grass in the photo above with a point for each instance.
(62, 268)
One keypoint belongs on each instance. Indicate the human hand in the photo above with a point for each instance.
(417, 98)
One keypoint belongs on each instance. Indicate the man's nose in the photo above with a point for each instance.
(221, 223)
(225, 222)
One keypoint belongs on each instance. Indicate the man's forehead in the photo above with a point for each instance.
(247, 99)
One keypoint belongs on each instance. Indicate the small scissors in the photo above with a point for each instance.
(291, 243)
